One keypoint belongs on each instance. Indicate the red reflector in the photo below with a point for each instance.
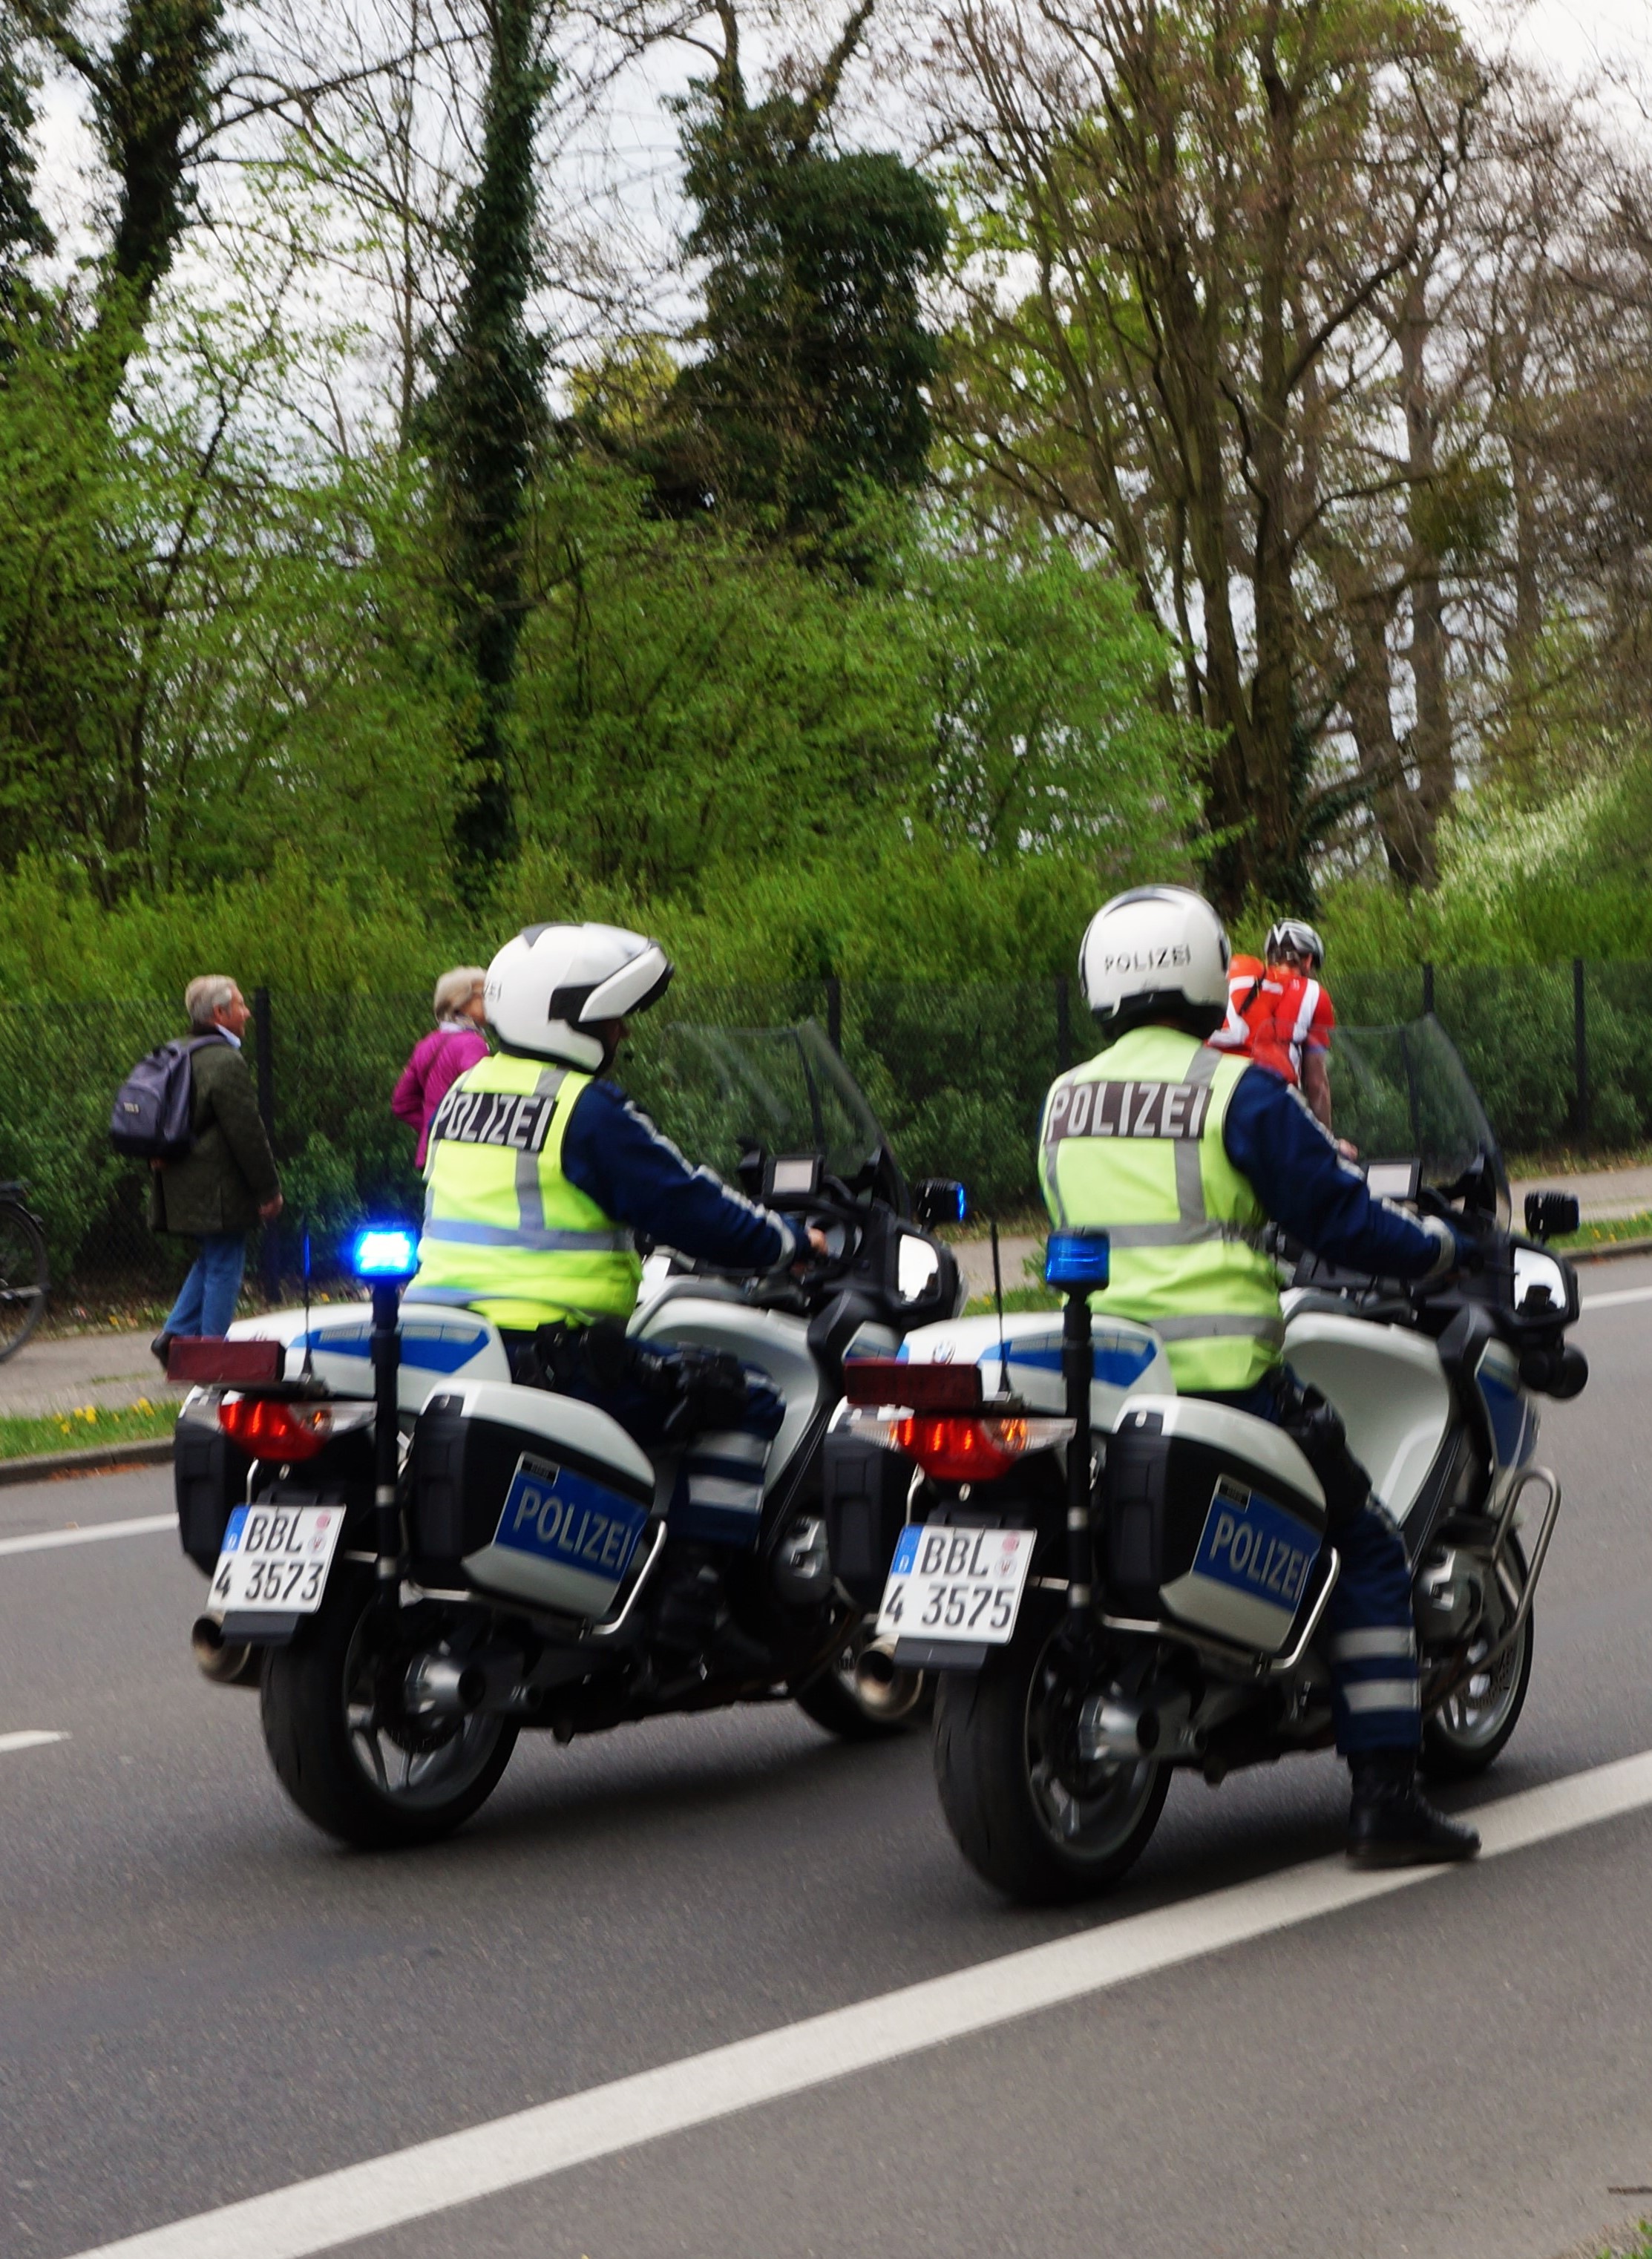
(963, 1451)
(266, 1428)
(209, 1359)
(925, 1387)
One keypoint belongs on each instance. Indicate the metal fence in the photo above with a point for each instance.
(957, 1075)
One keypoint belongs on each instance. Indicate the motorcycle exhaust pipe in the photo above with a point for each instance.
(1115, 1729)
(226, 1663)
(440, 1686)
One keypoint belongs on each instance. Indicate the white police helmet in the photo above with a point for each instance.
(548, 990)
(1157, 953)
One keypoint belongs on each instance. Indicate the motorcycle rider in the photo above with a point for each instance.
(538, 1174)
(1181, 1153)
(1280, 1012)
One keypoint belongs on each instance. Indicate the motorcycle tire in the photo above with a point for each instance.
(1014, 1819)
(328, 1749)
(1469, 1731)
(861, 1697)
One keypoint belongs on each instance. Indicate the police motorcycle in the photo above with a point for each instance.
(1154, 1599)
(414, 1558)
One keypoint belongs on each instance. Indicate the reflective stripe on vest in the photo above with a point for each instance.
(1132, 1144)
(505, 1232)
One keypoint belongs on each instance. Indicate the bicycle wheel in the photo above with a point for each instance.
(23, 1280)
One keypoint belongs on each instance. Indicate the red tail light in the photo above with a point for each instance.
(962, 1451)
(266, 1428)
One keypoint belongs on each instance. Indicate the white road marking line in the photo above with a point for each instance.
(34, 1740)
(407, 2184)
(1611, 1301)
(42, 1541)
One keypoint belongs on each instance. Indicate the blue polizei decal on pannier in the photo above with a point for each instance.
(1257, 1549)
(558, 1517)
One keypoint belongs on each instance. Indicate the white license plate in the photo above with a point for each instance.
(956, 1583)
(275, 1559)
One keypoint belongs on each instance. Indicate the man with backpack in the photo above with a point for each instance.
(225, 1180)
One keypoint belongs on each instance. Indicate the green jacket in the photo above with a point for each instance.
(221, 1184)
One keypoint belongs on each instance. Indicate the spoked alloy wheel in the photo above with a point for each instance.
(1471, 1726)
(21, 1278)
(860, 1696)
(348, 1750)
(1028, 1813)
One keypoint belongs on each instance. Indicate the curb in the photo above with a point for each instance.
(153, 1452)
(1606, 1251)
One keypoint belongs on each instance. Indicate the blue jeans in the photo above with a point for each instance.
(207, 1298)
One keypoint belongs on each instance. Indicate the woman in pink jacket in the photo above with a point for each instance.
(455, 1043)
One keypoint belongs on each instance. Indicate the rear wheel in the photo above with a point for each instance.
(1470, 1728)
(22, 1277)
(860, 1696)
(347, 1750)
(1029, 1815)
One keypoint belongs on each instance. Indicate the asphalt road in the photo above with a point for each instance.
(201, 2000)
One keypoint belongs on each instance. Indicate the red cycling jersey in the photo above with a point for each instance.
(1275, 1016)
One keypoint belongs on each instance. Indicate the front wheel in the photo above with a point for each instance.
(1029, 1815)
(860, 1696)
(344, 1747)
(1470, 1728)
(22, 1277)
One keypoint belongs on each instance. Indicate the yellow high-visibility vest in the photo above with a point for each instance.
(505, 1233)
(1131, 1144)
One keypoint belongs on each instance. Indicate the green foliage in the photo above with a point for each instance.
(206, 647)
(22, 233)
(696, 707)
(488, 416)
(1554, 866)
(812, 383)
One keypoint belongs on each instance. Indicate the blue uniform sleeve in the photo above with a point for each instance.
(612, 1153)
(1296, 1171)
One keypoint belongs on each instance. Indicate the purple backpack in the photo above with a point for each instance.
(151, 1120)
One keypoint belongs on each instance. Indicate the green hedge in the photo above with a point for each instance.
(956, 1072)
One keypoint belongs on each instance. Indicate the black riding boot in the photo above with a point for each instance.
(1391, 1825)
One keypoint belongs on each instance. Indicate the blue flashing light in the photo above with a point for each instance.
(384, 1252)
(1076, 1262)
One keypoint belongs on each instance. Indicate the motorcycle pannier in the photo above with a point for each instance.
(1212, 1516)
(864, 1496)
(522, 1493)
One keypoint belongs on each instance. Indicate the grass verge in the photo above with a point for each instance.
(1604, 1233)
(24, 1436)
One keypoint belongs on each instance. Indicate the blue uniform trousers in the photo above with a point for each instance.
(1373, 1640)
(718, 1497)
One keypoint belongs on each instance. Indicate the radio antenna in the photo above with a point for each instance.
(309, 1353)
(998, 1303)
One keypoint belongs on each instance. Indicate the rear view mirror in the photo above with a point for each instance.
(1551, 1215)
(938, 1201)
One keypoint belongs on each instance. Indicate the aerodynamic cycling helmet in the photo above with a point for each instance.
(551, 990)
(1296, 935)
(1155, 953)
